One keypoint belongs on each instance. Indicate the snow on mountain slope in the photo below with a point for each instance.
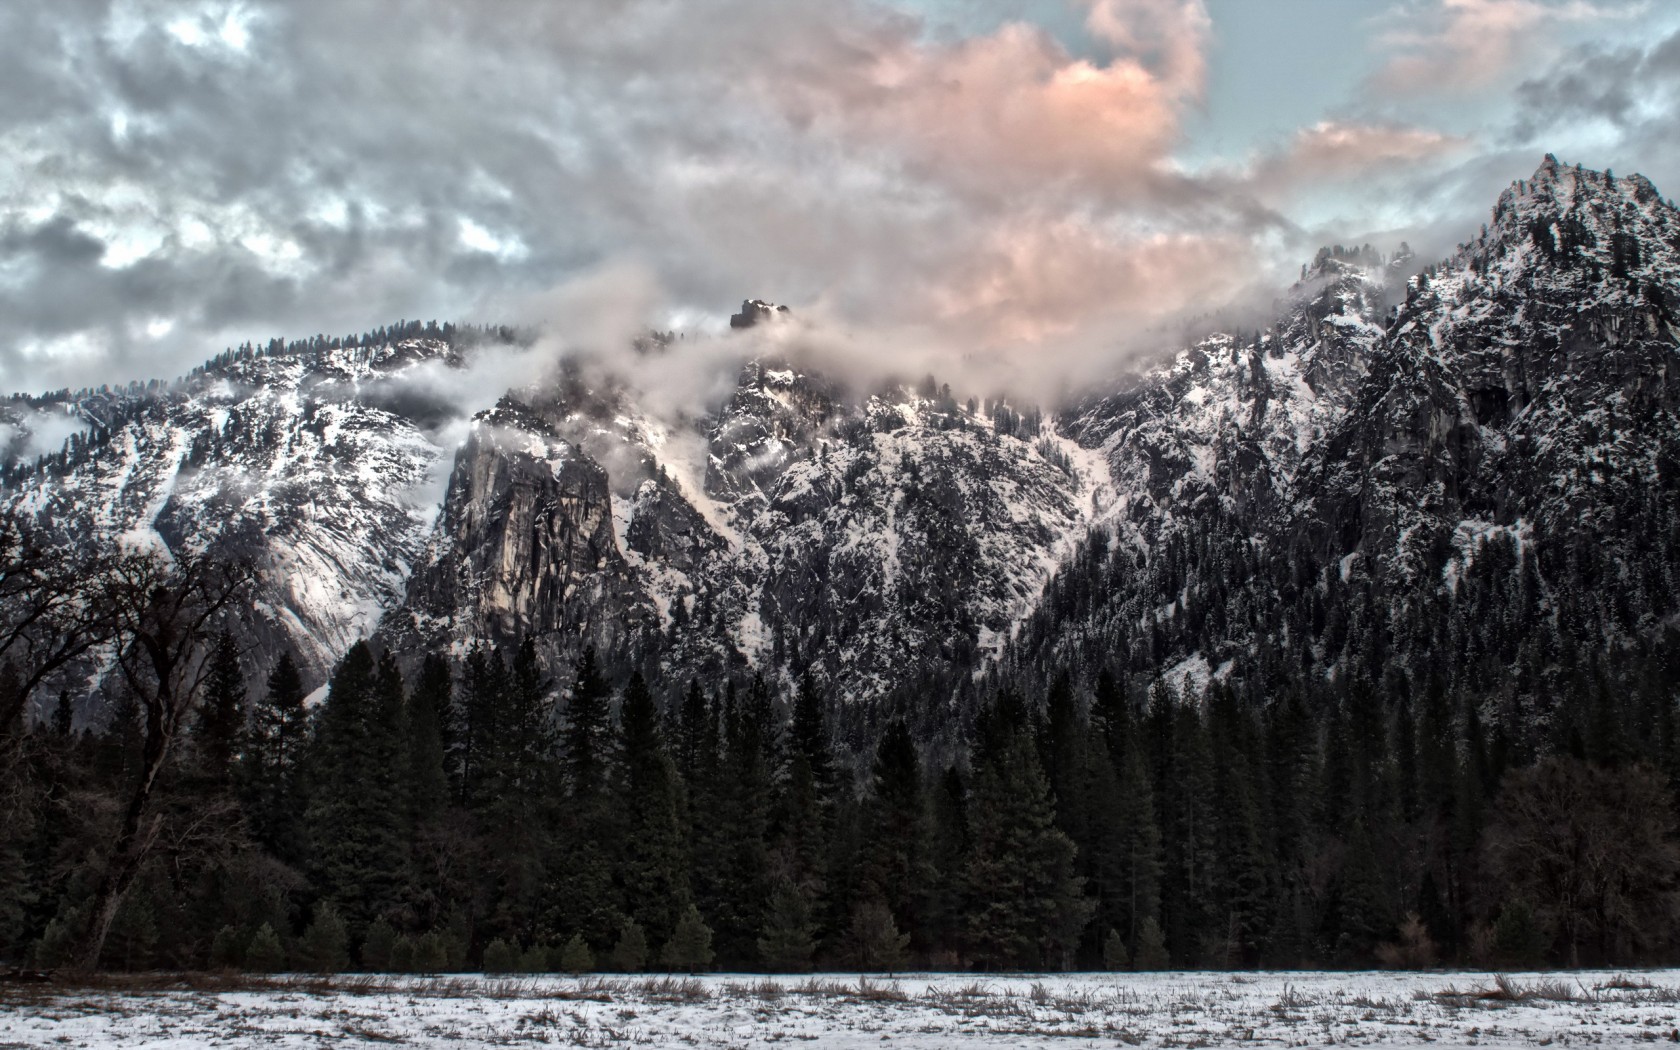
(865, 539)
(287, 460)
(1391, 424)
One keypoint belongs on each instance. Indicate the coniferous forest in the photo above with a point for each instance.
(473, 813)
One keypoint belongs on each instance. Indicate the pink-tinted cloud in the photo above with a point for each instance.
(1010, 110)
(1454, 45)
(1334, 151)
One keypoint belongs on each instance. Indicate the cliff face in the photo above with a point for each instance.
(1263, 498)
(524, 546)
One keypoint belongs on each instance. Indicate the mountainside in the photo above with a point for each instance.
(1466, 470)
(303, 460)
(1459, 482)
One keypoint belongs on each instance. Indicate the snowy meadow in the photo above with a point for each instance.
(841, 1010)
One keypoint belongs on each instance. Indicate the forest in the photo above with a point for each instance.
(476, 814)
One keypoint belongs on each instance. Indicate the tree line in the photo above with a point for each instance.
(483, 811)
(463, 819)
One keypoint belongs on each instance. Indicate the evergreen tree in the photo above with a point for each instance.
(576, 957)
(428, 713)
(873, 940)
(355, 812)
(326, 943)
(630, 954)
(272, 762)
(1025, 904)
(587, 900)
(786, 944)
(588, 725)
(690, 948)
(221, 712)
(265, 954)
(652, 862)
(894, 866)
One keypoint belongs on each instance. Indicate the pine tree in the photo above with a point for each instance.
(785, 945)
(805, 809)
(221, 712)
(575, 957)
(873, 940)
(587, 901)
(226, 951)
(355, 813)
(1025, 904)
(894, 865)
(736, 866)
(652, 863)
(690, 948)
(272, 763)
(1151, 951)
(326, 943)
(428, 715)
(500, 957)
(1115, 955)
(377, 946)
(630, 954)
(588, 725)
(265, 954)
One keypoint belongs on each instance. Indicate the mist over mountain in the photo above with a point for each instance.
(1323, 497)
(1291, 643)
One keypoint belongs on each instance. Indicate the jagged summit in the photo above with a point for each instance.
(1389, 426)
(754, 311)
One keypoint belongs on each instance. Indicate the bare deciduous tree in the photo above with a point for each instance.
(163, 615)
(47, 620)
(1593, 849)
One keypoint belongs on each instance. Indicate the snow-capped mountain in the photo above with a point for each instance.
(1404, 447)
(1469, 471)
(306, 460)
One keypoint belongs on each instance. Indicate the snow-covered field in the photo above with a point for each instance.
(840, 1010)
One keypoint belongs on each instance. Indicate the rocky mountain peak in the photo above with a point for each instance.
(756, 311)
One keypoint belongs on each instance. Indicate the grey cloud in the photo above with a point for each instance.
(317, 181)
(1632, 90)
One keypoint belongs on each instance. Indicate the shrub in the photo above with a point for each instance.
(629, 955)
(576, 957)
(265, 954)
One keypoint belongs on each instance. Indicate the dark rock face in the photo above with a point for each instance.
(754, 311)
(666, 530)
(525, 546)
(1265, 499)
(1317, 498)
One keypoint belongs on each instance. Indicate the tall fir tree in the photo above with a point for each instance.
(652, 862)
(1025, 905)
(221, 713)
(355, 815)
(271, 768)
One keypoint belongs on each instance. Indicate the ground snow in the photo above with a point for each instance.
(848, 1010)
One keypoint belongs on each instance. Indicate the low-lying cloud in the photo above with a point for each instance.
(178, 175)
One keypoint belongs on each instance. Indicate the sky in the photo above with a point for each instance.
(1036, 182)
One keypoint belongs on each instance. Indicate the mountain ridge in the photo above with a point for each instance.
(907, 549)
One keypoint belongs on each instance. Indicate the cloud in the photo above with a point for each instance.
(1457, 45)
(1337, 151)
(179, 175)
(1616, 103)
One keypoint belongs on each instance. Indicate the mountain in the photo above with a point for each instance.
(1461, 481)
(1465, 470)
